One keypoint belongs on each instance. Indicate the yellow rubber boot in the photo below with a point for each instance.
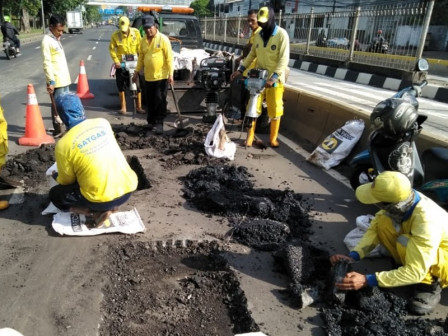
(275, 126)
(139, 103)
(250, 134)
(122, 96)
(4, 205)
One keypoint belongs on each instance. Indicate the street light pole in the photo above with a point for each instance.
(43, 17)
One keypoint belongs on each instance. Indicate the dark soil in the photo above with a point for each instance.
(191, 290)
(177, 147)
(172, 291)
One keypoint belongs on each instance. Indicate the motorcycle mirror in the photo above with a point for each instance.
(422, 65)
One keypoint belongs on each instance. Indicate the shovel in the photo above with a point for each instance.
(180, 123)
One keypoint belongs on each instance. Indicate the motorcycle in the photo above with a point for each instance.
(392, 146)
(379, 46)
(9, 49)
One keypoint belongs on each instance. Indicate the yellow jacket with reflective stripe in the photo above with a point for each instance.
(156, 58)
(251, 42)
(273, 57)
(123, 45)
(427, 228)
(55, 63)
(3, 138)
(89, 154)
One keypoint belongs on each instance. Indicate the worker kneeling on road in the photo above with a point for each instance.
(93, 174)
(414, 230)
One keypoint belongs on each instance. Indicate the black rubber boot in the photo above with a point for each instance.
(426, 297)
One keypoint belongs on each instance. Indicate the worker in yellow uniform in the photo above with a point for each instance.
(156, 57)
(3, 148)
(93, 174)
(125, 41)
(414, 230)
(270, 50)
(57, 75)
(240, 95)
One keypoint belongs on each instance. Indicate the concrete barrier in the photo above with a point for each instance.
(312, 117)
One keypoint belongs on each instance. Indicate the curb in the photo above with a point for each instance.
(430, 91)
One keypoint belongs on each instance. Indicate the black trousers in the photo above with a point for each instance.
(156, 103)
(122, 80)
(66, 196)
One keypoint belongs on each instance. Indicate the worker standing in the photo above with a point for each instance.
(125, 41)
(56, 71)
(156, 57)
(240, 96)
(93, 174)
(270, 49)
(414, 230)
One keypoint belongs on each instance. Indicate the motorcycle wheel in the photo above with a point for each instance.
(8, 56)
(361, 175)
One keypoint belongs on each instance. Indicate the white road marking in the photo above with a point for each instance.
(89, 57)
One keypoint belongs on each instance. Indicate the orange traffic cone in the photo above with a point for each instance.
(35, 134)
(83, 86)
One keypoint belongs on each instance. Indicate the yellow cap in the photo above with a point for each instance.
(388, 187)
(124, 24)
(263, 15)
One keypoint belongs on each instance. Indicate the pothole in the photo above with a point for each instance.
(172, 290)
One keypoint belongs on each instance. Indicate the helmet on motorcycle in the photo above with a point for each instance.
(393, 117)
(6, 18)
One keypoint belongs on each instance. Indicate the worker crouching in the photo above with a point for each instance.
(94, 176)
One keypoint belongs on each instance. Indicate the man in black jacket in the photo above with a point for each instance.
(9, 32)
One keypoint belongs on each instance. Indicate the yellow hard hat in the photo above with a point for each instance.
(263, 15)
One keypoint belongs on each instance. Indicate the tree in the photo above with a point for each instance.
(92, 14)
(201, 7)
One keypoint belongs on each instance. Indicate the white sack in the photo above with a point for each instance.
(217, 143)
(338, 145)
(354, 236)
(71, 224)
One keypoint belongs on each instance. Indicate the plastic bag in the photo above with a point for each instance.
(217, 143)
(354, 236)
(338, 145)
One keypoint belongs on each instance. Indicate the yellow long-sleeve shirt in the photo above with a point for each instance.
(3, 138)
(55, 63)
(156, 58)
(427, 229)
(124, 45)
(251, 42)
(274, 57)
(89, 154)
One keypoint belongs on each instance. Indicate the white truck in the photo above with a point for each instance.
(74, 21)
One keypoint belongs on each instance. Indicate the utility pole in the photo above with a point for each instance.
(43, 16)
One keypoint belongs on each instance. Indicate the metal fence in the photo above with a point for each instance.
(347, 36)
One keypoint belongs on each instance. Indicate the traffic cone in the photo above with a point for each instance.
(35, 134)
(83, 86)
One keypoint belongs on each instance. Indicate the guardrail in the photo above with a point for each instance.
(344, 36)
(312, 117)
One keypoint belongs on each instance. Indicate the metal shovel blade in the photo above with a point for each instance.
(180, 122)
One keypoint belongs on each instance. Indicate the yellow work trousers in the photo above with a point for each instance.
(396, 243)
(274, 101)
